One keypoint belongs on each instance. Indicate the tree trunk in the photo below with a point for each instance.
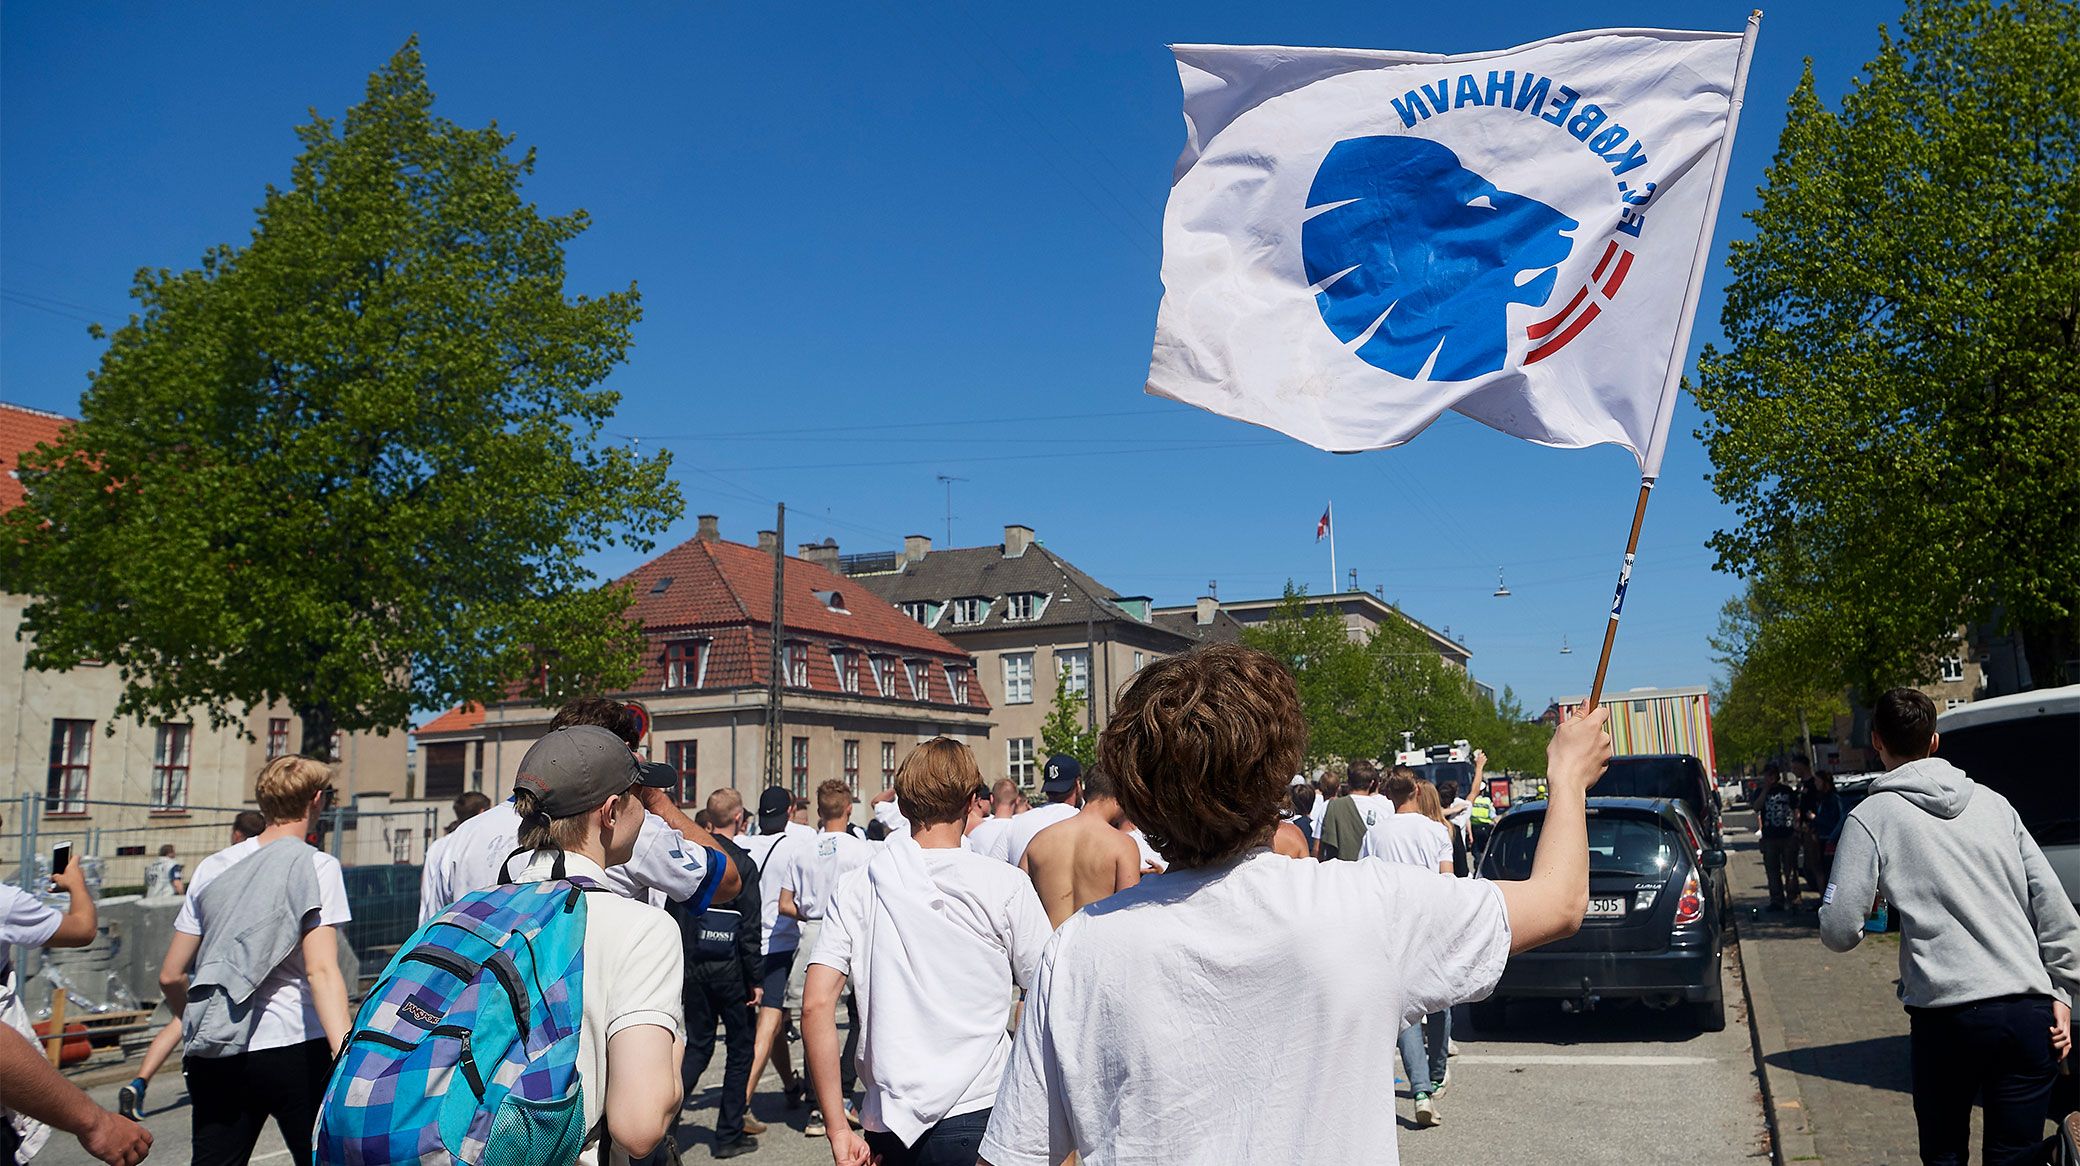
(318, 728)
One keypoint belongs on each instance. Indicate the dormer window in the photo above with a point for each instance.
(957, 683)
(969, 611)
(886, 669)
(832, 601)
(846, 662)
(798, 665)
(1023, 606)
(686, 664)
(922, 610)
(919, 673)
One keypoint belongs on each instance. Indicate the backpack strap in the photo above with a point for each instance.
(505, 869)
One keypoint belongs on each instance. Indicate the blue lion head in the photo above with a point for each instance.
(1429, 251)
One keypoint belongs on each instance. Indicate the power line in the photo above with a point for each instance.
(1007, 457)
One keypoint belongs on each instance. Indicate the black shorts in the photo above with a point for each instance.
(772, 976)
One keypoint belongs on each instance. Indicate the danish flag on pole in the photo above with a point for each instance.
(1322, 527)
(1358, 240)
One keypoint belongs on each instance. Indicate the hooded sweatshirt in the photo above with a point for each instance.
(1981, 913)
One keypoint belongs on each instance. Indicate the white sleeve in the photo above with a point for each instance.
(665, 861)
(433, 880)
(1028, 934)
(890, 814)
(834, 944)
(25, 919)
(1029, 1125)
(188, 921)
(332, 892)
(1449, 937)
(647, 983)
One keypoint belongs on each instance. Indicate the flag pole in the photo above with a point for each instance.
(1330, 510)
(1651, 463)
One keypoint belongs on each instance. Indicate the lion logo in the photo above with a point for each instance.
(1415, 259)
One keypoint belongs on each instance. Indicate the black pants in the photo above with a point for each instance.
(1999, 1047)
(233, 1097)
(721, 998)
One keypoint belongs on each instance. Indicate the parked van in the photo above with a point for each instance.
(2026, 747)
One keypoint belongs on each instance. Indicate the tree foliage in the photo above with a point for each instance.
(1895, 418)
(1359, 695)
(352, 465)
(1067, 727)
(1773, 687)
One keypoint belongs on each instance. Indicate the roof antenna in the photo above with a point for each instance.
(948, 480)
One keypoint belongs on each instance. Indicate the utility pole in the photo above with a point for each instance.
(776, 686)
(948, 480)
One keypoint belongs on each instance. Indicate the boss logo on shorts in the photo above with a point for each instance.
(419, 1013)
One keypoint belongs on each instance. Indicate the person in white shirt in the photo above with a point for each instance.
(1412, 838)
(1062, 781)
(296, 1019)
(933, 939)
(433, 895)
(988, 835)
(1114, 1055)
(576, 797)
(771, 849)
(27, 921)
(807, 882)
(162, 879)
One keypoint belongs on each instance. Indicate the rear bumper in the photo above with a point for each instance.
(1688, 973)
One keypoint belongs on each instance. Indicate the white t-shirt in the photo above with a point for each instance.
(160, 876)
(1321, 807)
(982, 895)
(890, 815)
(664, 866)
(1149, 856)
(1411, 839)
(1373, 808)
(433, 879)
(1120, 1037)
(29, 921)
(771, 853)
(634, 968)
(989, 835)
(813, 872)
(283, 1013)
(1024, 826)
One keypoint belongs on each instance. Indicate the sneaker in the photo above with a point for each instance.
(1442, 1081)
(130, 1099)
(1451, 1047)
(752, 1125)
(744, 1145)
(1426, 1111)
(813, 1128)
(852, 1115)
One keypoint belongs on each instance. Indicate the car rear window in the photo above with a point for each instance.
(2034, 762)
(1618, 845)
(1651, 777)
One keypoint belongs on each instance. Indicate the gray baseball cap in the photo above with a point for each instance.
(577, 769)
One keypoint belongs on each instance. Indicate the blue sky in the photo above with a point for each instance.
(878, 243)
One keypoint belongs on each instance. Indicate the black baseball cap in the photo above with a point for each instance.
(773, 808)
(577, 769)
(657, 775)
(1061, 774)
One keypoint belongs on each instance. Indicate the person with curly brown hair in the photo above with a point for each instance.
(1164, 999)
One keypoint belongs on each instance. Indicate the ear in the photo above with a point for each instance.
(1935, 742)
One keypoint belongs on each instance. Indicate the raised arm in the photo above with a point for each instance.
(78, 927)
(660, 803)
(1549, 905)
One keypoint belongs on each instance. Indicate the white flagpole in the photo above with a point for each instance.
(1330, 510)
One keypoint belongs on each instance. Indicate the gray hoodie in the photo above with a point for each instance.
(1981, 913)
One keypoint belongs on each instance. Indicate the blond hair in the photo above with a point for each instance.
(287, 784)
(936, 781)
(538, 831)
(833, 800)
(1427, 802)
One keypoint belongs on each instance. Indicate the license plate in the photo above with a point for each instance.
(1608, 907)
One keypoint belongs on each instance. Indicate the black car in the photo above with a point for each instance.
(385, 900)
(1666, 775)
(1658, 913)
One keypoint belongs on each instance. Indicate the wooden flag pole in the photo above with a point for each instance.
(1610, 631)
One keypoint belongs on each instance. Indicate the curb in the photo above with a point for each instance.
(1783, 1107)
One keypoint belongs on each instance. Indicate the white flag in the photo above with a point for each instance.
(1359, 240)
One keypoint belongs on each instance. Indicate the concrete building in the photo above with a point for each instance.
(120, 787)
(1031, 619)
(864, 684)
(1212, 620)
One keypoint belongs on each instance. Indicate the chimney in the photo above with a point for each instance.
(709, 530)
(1016, 540)
(916, 547)
(1208, 605)
(823, 554)
(769, 541)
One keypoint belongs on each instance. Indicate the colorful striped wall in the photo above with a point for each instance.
(1664, 724)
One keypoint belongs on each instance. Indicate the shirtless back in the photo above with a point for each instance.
(1080, 860)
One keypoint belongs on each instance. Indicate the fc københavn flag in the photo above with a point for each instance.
(1359, 240)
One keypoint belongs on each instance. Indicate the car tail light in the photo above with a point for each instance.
(1689, 908)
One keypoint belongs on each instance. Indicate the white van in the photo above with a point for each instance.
(2027, 746)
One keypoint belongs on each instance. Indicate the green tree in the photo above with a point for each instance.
(1067, 727)
(352, 465)
(1775, 687)
(1895, 418)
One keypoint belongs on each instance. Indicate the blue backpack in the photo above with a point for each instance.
(466, 1049)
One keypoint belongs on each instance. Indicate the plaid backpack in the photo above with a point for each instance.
(466, 1049)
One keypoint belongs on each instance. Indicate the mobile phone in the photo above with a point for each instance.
(61, 857)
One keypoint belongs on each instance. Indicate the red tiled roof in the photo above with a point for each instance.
(459, 719)
(20, 430)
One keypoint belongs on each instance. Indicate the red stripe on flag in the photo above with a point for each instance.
(1618, 277)
(1609, 250)
(1551, 322)
(1558, 342)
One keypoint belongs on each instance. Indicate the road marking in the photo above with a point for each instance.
(1577, 1059)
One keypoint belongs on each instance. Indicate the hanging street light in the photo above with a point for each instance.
(1501, 588)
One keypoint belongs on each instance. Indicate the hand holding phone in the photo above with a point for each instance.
(65, 874)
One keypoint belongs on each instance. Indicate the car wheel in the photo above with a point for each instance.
(1490, 1015)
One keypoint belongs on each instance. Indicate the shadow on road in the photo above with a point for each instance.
(1878, 1063)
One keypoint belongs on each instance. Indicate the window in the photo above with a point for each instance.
(1074, 665)
(885, 669)
(888, 765)
(846, 663)
(1018, 678)
(969, 611)
(1018, 758)
(1954, 703)
(1023, 606)
(685, 756)
(798, 763)
(1953, 669)
(170, 767)
(1140, 660)
(72, 750)
(444, 763)
(798, 665)
(278, 738)
(920, 674)
(686, 664)
(851, 753)
(957, 683)
(923, 611)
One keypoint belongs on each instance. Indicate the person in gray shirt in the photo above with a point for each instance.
(1989, 955)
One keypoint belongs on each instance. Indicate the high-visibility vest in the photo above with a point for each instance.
(1483, 810)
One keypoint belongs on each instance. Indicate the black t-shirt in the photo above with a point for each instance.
(1779, 813)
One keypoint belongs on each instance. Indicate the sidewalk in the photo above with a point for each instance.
(1829, 1029)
